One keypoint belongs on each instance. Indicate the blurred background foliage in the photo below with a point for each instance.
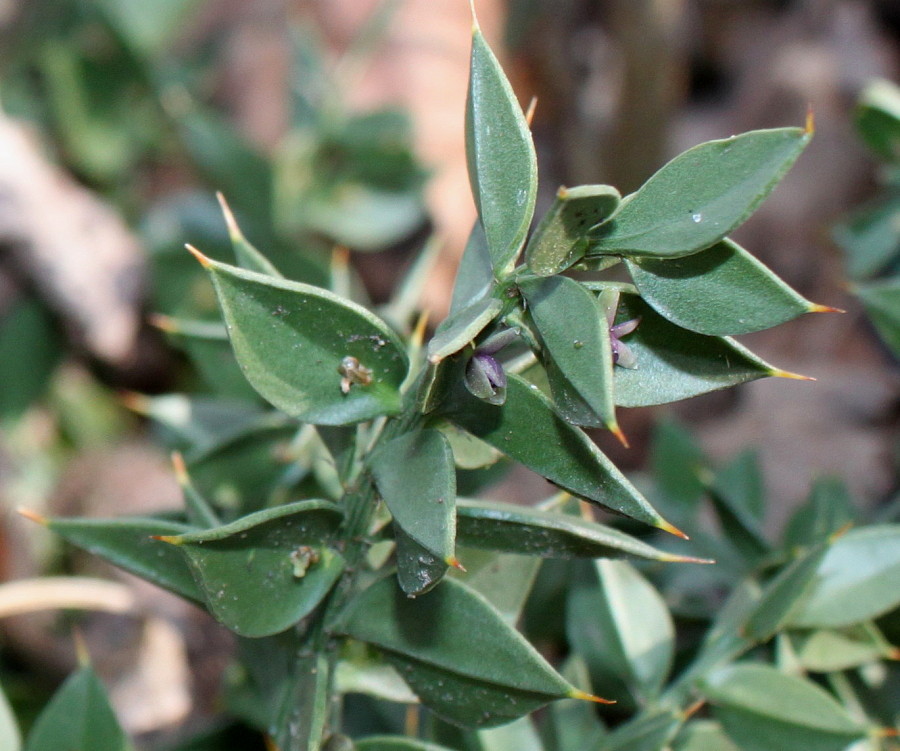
(339, 124)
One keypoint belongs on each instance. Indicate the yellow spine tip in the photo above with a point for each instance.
(33, 516)
(810, 126)
(840, 532)
(81, 650)
(816, 308)
(562, 193)
(171, 539)
(418, 335)
(162, 322)
(674, 558)
(475, 26)
(529, 113)
(204, 261)
(178, 465)
(778, 373)
(134, 401)
(454, 561)
(671, 529)
(233, 229)
(620, 436)
(694, 708)
(893, 653)
(584, 696)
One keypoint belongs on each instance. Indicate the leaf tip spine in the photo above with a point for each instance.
(675, 558)
(779, 373)
(33, 516)
(671, 529)
(809, 127)
(234, 231)
(163, 322)
(181, 474)
(529, 113)
(620, 436)
(134, 401)
(475, 27)
(584, 696)
(816, 308)
(170, 539)
(418, 335)
(204, 261)
(452, 560)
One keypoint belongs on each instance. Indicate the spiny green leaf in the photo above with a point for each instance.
(528, 429)
(246, 255)
(882, 302)
(720, 291)
(462, 327)
(78, 717)
(418, 570)
(500, 155)
(784, 594)
(129, 544)
(298, 344)
(830, 650)
(264, 572)
(560, 239)
(513, 528)
(700, 196)
(455, 651)
(503, 579)
(763, 709)
(575, 335)
(674, 363)
(855, 581)
(621, 626)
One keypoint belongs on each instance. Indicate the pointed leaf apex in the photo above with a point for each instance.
(418, 335)
(816, 308)
(171, 539)
(340, 257)
(584, 696)
(163, 322)
(675, 558)
(810, 126)
(204, 261)
(181, 474)
(234, 231)
(529, 113)
(134, 401)
(454, 561)
(778, 373)
(671, 529)
(694, 708)
(33, 516)
(475, 26)
(840, 532)
(620, 436)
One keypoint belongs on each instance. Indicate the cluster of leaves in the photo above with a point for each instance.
(335, 536)
(870, 238)
(120, 102)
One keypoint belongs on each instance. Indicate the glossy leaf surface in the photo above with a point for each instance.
(674, 364)
(266, 571)
(576, 340)
(292, 339)
(621, 626)
(856, 580)
(500, 156)
(455, 651)
(416, 477)
(560, 239)
(763, 709)
(720, 291)
(528, 429)
(462, 327)
(79, 716)
(513, 528)
(418, 570)
(700, 196)
(128, 543)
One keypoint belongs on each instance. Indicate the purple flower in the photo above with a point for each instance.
(622, 354)
(485, 377)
